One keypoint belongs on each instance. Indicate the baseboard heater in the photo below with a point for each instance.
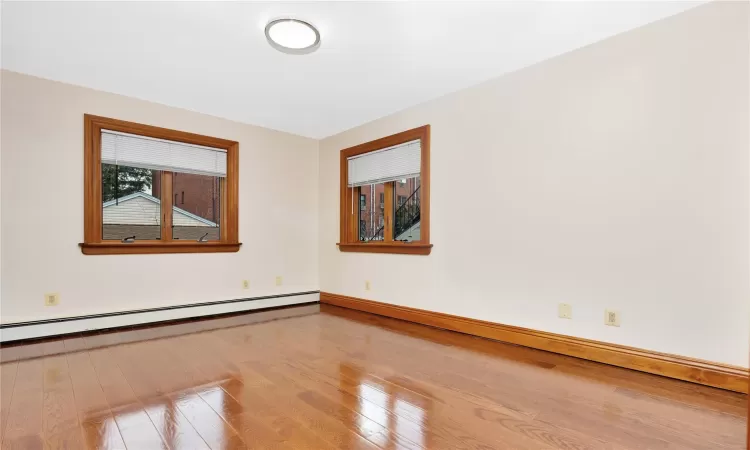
(67, 325)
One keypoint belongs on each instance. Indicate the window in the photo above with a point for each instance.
(407, 226)
(374, 216)
(362, 202)
(395, 170)
(134, 176)
(199, 218)
(128, 208)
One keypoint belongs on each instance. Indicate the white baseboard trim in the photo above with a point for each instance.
(67, 325)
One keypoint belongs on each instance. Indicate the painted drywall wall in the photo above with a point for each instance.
(42, 211)
(614, 176)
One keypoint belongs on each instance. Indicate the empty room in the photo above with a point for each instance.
(473, 225)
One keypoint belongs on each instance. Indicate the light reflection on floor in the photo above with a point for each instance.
(377, 409)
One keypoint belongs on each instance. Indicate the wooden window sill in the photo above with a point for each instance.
(402, 248)
(145, 247)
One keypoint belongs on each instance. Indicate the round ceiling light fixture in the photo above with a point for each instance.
(292, 36)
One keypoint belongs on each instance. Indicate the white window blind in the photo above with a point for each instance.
(149, 153)
(389, 164)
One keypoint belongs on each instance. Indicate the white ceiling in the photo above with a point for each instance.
(376, 57)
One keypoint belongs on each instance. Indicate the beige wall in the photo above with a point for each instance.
(615, 176)
(42, 211)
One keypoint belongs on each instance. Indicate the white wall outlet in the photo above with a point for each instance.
(612, 318)
(564, 311)
(51, 299)
(245, 284)
(278, 281)
(367, 285)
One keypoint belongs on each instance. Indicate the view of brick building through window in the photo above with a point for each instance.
(372, 213)
(196, 194)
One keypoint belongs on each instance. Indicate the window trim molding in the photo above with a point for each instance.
(348, 226)
(93, 243)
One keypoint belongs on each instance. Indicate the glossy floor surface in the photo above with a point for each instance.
(306, 378)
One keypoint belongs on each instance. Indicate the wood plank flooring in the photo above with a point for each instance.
(322, 377)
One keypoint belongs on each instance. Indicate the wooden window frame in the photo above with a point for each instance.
(349, 217)
(93, 242)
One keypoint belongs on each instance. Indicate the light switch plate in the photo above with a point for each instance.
(564, 311)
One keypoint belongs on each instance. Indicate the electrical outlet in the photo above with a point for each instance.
(367, 285)
(612, 318)
(245, 284)
(278, 281)
(51, 299)
(564, 311)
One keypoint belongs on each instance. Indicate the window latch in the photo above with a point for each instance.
(128, 240)
(203, 238)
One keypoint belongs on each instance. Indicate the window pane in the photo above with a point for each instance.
(372, 213)
(130, 203)
(406, 216)
(196, 207)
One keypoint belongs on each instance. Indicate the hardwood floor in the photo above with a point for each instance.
(317, 377)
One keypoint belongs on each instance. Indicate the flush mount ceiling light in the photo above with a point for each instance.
(293, 36)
